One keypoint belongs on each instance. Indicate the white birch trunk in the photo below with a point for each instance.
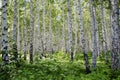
(94, 38)
(82, 36)
(50, 31)
(115, 41)
(4, 33)
(70, 30)
(25, 32)
(15, 31)
(63, 33)
(31, 31)
(18, 30)
(44, 30)
(39, 32)
(104, 31)
(76, 29)
(96, 25)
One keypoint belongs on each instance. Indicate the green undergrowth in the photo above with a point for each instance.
(58, 68)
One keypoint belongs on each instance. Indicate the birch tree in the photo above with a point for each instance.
(39, 32)
(104, 30)
(96, 25)
(76, 27)
(44, 29)
(83, 39)
(63, 33)
(50, 31)
(110, 26)
(4, 33)
(31, 31)
(115, 41)
(15, 31)
(25, 32)
(70, 30)
(94, 37)
(18, 28)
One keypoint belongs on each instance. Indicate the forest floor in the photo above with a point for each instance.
(58, 68)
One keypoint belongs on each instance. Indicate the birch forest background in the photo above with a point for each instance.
(60, 40)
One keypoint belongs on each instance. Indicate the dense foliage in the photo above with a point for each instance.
(59, 68)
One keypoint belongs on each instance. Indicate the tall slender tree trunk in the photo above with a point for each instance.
(15, 31)
(39, 32)
(39, 37)
(104, 31)
(64, 33)
(4, 33)
(96, 26)
(70, 30)
(18, 29)
(76, 28)
(83, 39)
(115, 41)
(110, 26)
(118, 22)
(25, 32)
(44, 29)
(50, 31)
(31, 31)
(94, 37)
(76, 39)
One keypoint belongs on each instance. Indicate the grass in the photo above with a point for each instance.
(58, 68)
